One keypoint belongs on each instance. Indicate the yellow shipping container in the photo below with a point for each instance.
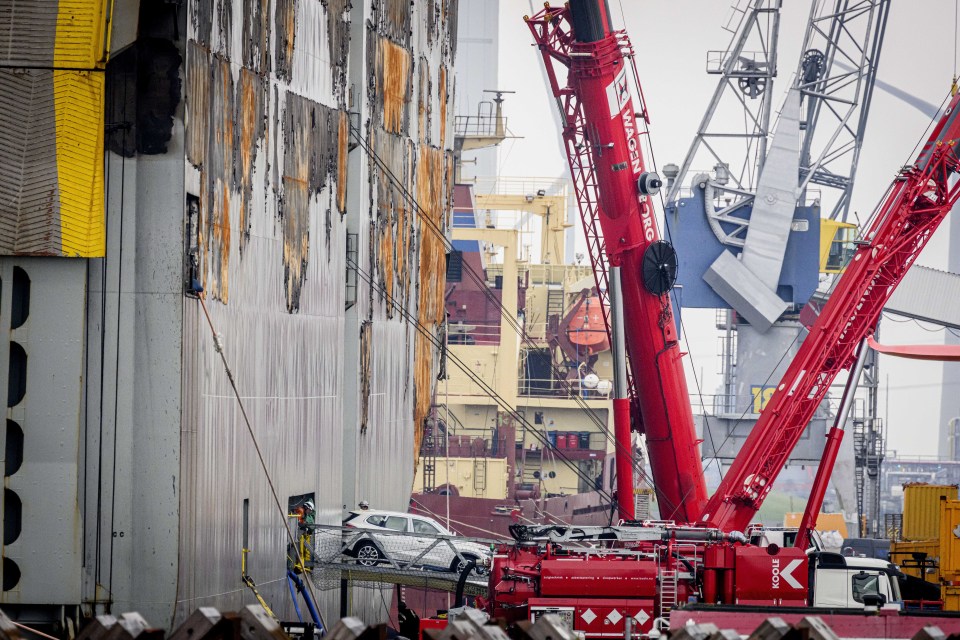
(921, 509)
(951, 598)
(950, 540)
(825, 522)
(910, 555)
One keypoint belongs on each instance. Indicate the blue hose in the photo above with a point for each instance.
(293, 596)
(292, 579)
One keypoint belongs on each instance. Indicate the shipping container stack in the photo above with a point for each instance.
(929, 543)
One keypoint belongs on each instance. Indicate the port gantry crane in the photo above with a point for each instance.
(807, 169)
(636, 269)
(915, 205)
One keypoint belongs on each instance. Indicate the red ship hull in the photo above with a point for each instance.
(491, 518)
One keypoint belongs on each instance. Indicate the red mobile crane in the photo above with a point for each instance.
(706, 558)
(613, 189)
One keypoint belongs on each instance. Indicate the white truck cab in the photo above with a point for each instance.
(838, 581)
(841, 582)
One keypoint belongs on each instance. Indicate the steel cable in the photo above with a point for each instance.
(475, 378)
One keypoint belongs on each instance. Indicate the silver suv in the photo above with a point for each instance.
(418, 542)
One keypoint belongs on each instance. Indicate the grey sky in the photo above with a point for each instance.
(671, 39)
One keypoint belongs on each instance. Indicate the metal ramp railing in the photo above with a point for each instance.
(385, 556)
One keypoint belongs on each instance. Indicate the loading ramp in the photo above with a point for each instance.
(403, 558)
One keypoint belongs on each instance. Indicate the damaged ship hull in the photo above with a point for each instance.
(293, 160)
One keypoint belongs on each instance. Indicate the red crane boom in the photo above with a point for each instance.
(916, 203)
(613, 188)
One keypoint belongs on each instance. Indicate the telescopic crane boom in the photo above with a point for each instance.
(614, 190)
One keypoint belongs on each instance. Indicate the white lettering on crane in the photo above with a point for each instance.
(618, 97)
(775, 573)
(648, 232)
(633, 146)
(636, 164)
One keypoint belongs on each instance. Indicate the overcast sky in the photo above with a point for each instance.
(671, 38)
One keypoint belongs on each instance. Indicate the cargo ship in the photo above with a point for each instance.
(521, 428)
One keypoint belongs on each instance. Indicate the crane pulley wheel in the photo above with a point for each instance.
(752, 86)
(659, 268)
(812, 65)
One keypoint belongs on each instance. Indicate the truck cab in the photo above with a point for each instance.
(841, 582)
(837, 581)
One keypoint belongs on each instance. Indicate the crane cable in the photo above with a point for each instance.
(641, 472)
(218, 346)
(953, 85)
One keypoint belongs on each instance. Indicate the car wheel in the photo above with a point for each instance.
(367, 554)
(458, 565)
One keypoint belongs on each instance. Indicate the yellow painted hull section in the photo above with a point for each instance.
(79, 60)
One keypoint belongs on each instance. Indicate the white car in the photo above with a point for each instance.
(434, 548)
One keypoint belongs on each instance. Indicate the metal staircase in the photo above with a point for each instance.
(479, 476)
(438, 424)
(555, 303)
(455, 266)
(868, 452)
(532, 471)
(428, 454)
(868, 458)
